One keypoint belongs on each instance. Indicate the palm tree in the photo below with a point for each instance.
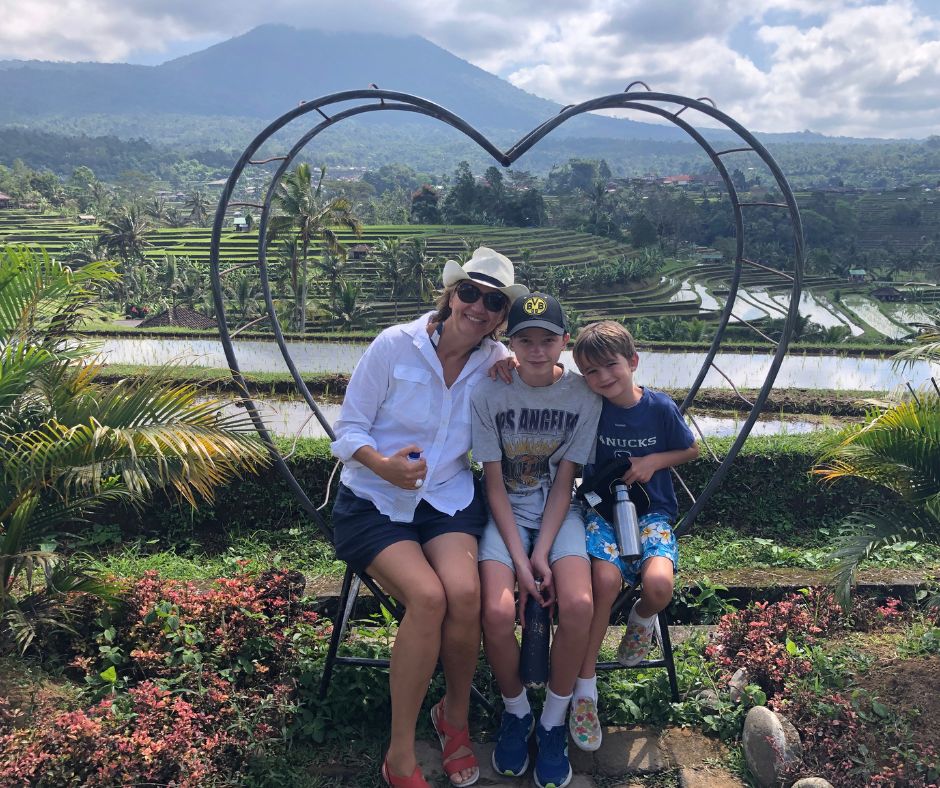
(246, 292)
(899, 450)
(84, 251)
(332, 266)
(198, 204)
(306, 213)
(389, 254)
(156, 209)
(125, 233)
(420, 269)
(347, 312)
(69, 445)
(525, 270)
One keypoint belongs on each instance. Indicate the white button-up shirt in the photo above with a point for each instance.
(396, 396)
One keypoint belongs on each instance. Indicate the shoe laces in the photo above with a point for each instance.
(516, 727)
(552, 741)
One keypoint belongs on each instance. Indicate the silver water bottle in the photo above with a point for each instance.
(626, 525)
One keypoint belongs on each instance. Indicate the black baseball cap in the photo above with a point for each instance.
(537, 310)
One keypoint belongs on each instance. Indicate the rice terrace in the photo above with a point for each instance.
(190, 276)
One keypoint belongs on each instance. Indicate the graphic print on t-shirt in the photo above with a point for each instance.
(622, 447)
(529, 437)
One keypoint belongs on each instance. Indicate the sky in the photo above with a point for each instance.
(837, 67)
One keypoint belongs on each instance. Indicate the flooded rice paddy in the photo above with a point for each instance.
(292, 418)
(657, 369)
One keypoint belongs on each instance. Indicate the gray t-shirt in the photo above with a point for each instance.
(533, 428)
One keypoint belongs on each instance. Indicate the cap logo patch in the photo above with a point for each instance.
(534, 305)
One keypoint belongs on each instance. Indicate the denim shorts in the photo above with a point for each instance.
(361, 532)
(568, 541)
(655, 535)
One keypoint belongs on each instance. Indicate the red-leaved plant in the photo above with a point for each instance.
(209, 678)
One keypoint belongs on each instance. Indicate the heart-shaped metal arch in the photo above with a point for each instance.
(646, 101)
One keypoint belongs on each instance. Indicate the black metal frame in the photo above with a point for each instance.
(375, 100)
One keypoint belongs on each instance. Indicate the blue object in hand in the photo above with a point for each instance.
(536, 635)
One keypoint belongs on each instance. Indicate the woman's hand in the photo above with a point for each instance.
(503, 368)
(401, 471)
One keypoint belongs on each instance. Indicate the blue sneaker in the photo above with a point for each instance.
(511, 753)
(552, 769)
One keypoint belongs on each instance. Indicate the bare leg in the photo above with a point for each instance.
(575, 609)
(403, 571)
(499, 626)
(606, 583)
(658, 581)
(454, 558)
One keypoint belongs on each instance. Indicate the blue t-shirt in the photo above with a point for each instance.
(654, 424)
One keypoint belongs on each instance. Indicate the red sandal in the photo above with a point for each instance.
(452, 739)
(396, 781)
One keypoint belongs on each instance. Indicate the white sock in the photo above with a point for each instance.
(518, 705)
(636, 618)
(554, 710)
(586, 688)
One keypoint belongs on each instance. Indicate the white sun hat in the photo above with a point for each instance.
(488, 267)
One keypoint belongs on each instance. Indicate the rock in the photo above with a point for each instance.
(709, 699)
(737, 684)
(812, 782)
(771, 744)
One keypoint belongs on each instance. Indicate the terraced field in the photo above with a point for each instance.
(547, 248)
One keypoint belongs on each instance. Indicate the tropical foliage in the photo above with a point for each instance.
(305, 213)
(69, 446)
(899, 449)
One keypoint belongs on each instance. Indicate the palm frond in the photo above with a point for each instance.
(39, 294)
(864, 532)
(899, 449)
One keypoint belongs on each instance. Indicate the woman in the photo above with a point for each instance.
(407, 511)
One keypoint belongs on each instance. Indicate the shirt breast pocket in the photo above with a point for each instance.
(410, 396)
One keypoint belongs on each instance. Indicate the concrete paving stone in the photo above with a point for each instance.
(581, 781)
(488, 775)
(688, 748)
(630, 751)
(491, 779)
(709, 777)
(581, 762)
(429, 759)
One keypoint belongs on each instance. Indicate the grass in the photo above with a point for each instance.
(723, 549)
(710, 552)
(189, 560)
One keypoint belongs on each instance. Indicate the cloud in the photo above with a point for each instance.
(856, 67)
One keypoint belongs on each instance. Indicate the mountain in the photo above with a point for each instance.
(268, 70)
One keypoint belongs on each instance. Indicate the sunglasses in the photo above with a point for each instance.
(493, 301)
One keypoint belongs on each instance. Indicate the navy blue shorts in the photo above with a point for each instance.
(361, 532)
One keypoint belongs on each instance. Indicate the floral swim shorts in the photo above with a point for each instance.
(655, 535)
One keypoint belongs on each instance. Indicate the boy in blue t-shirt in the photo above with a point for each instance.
(645, 426)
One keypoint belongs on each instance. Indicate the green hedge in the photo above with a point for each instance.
(767, 492)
